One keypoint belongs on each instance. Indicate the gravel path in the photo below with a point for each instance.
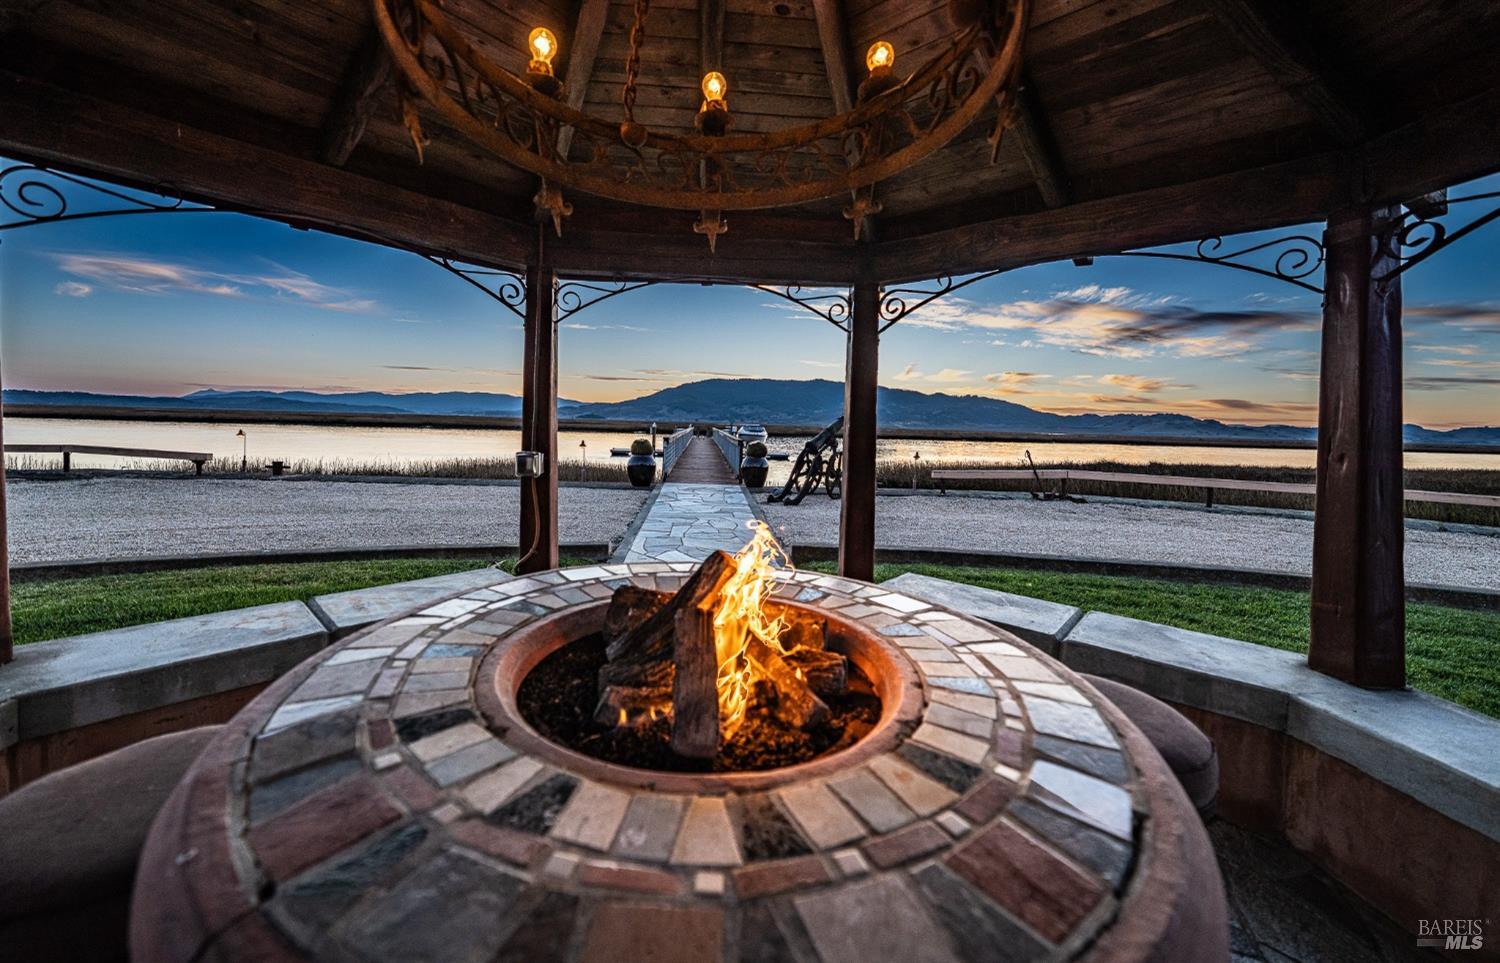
(96, 518)
(1131, 532)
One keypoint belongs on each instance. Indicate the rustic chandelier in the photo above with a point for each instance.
(525, 120)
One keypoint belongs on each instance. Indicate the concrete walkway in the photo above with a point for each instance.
(688, 521)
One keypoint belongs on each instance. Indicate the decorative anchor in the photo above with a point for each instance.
(711, 224)
(550, 204)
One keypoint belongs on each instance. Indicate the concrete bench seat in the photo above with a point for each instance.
(1439, 753)
(346, 612)
(1043, 624)
(70, 699)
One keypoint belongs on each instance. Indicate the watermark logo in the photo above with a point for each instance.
(1451, 934)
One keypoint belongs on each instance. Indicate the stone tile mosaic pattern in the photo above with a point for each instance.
(390, 822)
(688, 522)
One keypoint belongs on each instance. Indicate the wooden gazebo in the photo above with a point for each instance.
(1132, 123)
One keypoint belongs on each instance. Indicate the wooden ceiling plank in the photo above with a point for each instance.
(588, 30)
(1288, 55)
(359, 93)
(711, 19)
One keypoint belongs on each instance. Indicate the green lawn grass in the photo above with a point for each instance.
(1451, 653)
(63, 607)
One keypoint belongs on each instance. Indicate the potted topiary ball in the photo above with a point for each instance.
(642, 465)
(753, 466)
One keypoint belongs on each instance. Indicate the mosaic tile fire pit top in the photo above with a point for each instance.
(371, 813)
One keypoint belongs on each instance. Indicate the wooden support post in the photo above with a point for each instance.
(1358, 585)
(857, 506)
(7, 637)
(539, 421)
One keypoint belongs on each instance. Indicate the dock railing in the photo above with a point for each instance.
(672, 448)
(729, 445)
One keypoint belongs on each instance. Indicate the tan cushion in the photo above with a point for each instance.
(1189, 753)
(69, 843)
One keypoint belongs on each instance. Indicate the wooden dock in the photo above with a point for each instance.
(702, 464)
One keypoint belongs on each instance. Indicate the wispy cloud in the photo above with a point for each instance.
(909, 373)
(73, 289)
(139, 275)
(1120, 322)
(412, 367)
(822, 364)
(580, 326)
(1139, 383)
(1014, 382)
(950, 375)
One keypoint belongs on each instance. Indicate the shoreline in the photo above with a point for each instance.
(482, 422)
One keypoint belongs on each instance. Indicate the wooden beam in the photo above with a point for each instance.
(711, 37)
(359, 90)
(1039, 148)
(45, 124)
(587, 29)
(1445, 146)
(833, 37)
(1358, 583)
(1283, 48)
(539, 550)
(857, 498)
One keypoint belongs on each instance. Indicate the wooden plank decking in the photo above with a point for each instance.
(703, 464)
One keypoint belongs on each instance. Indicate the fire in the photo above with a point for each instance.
(741, 615)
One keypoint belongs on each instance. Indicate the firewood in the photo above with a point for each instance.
(632, 706)
(695, 691)
(827, 673)
(652, 638)
(803, 630)
(796, 704)
(630, 606)
(636, 675)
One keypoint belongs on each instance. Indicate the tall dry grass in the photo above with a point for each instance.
(568, 469)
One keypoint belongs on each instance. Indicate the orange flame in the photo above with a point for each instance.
(741, 616)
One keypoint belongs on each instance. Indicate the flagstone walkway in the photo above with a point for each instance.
(689, 521)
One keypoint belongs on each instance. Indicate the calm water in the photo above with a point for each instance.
(407, 445)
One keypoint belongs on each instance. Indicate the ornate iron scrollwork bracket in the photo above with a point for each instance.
(1298, 256)
(831, 306)
(31, 195)
(1412, 238)
(504, 287)
(899, 302)
(574, 296)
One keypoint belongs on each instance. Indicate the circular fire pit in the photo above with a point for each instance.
(388, 800)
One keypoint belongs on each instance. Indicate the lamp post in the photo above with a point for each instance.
(583, 449)
(916, 467)
(244, 450)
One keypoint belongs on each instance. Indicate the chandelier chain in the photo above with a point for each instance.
(633, 62)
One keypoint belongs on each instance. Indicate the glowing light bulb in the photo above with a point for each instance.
(543, 45)
(880, 56)
(714, 86)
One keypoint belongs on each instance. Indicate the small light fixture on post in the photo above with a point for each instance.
(916, 468)
(549, 201)
(244, 450)
(583, 449)
(712, 121)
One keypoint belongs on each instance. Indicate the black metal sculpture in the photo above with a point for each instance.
(820, 461)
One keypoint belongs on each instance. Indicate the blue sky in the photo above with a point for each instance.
(170, 304)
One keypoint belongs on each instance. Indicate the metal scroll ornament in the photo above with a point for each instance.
(523, 122)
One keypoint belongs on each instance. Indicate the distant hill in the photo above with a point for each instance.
(740, 400)
(472, 403)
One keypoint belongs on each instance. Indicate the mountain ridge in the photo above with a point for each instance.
(739, 400)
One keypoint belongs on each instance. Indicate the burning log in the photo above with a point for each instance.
(621, 705)
(796, 705)
(714, 651)
(827, 673)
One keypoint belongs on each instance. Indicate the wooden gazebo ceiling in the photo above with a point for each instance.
(1145, 121)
